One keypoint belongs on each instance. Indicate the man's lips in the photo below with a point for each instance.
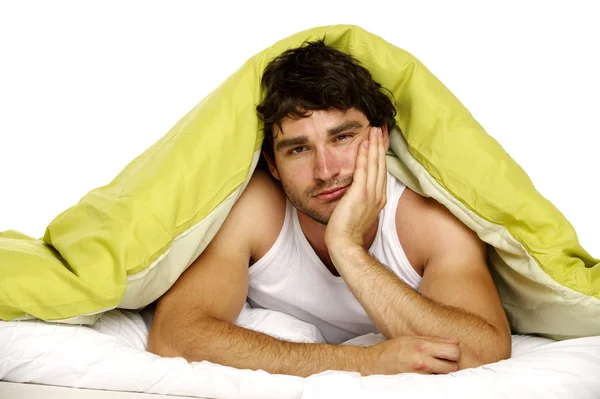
(332, 193)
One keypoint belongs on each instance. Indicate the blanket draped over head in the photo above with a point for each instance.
(125, 244)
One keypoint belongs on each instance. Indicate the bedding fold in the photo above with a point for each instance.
(124, 244)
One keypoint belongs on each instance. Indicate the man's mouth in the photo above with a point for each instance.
(332, 193)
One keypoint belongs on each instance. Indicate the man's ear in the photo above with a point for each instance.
(271, 165)
(386, 136)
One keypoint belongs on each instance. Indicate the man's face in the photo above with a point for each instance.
(317, 154)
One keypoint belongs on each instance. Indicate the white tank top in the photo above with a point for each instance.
(292, 279)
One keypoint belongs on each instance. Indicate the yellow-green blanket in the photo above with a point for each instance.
(125, 244)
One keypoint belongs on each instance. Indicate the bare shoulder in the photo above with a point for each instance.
(261, 211)
(409, 219)
(427, 226)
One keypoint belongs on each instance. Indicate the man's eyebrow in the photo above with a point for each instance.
(299, 140)
(348, 125)
(291, 142)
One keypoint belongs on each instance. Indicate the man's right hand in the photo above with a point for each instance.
(408, 354)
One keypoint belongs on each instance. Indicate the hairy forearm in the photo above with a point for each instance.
(397, 310)
(224, 343)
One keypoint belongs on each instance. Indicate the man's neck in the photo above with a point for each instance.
(315, 235)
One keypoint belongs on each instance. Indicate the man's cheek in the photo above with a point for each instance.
(354, 155)
(350, 153)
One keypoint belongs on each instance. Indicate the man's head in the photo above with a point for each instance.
(318, 106)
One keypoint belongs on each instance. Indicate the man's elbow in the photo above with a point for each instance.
(158, 344)
(497, 347)
(503, 341)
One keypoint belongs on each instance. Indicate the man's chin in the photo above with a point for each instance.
(319, 217)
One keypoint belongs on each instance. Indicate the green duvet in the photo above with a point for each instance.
(124, 244)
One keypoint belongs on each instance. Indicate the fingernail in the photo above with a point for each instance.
(378, 132)
(365, 143)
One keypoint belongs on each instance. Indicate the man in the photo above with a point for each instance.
(332, 238)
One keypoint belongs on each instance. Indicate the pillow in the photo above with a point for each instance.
(125, 244)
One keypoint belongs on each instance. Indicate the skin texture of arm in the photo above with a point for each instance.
(195, 318)
(457, 297)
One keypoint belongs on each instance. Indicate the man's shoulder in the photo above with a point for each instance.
(260, 210)
(426, 224)
(409, 219)
(263, 193)
(417, 217)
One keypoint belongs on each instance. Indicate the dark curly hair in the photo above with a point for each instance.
(317, 77)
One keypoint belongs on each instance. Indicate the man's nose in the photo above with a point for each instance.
(326, 164)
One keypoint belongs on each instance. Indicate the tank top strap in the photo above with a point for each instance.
(388, 247)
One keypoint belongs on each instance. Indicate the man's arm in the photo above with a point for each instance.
(194, 319)
(458, 298)
(456, 277)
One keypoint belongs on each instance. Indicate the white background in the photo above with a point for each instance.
(85, 88)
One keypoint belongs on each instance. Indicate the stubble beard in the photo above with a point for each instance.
(300, 201)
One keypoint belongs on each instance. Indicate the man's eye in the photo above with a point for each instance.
(342, 137)
(297, 150)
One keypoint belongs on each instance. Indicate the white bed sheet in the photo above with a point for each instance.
(111, 355)
(16, 390)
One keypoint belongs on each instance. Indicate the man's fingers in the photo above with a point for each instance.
(382, 169)
(448, 340)
(443, 350)
(373, 162)
(360, 171)
(439, 366)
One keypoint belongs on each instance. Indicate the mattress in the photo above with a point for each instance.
(111, 355)
(12, 390)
